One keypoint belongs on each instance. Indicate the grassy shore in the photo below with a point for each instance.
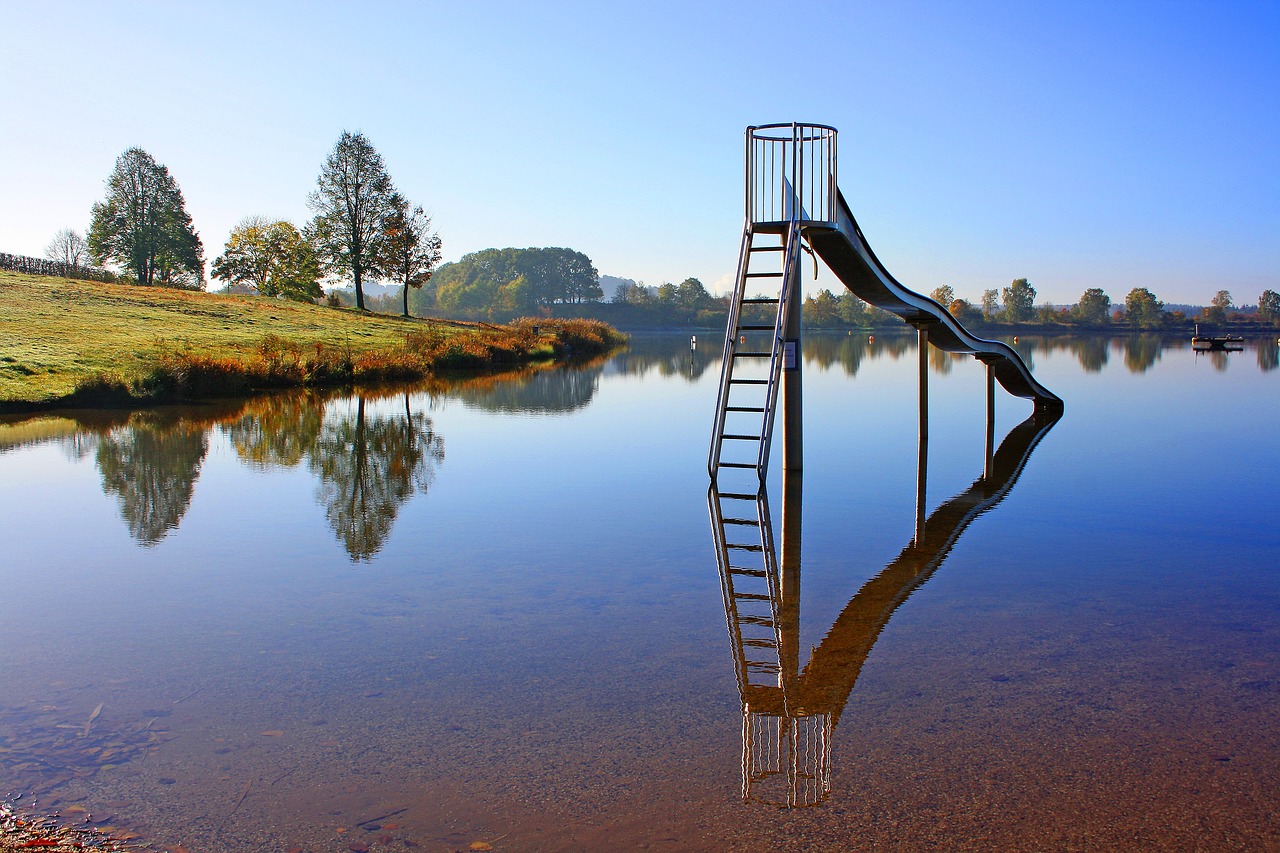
(68, 342)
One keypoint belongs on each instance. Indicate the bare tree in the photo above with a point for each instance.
(411, 251)
(69, 248)
(352, 201)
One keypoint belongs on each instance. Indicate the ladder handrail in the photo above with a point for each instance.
(726, 364)
(790, 266)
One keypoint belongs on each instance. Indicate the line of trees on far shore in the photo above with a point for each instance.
(1015, 306)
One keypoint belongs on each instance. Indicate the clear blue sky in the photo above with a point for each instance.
(1081, 144)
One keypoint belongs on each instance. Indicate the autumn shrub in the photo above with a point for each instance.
(175, 371)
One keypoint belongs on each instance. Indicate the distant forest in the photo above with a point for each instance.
(499, 284)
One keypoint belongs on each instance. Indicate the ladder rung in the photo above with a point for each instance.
(751, 596)
(755, 328)
(736, 496)
(765, 621)
(761, 666)
(744, 408)
(744, 547)
(767, 248)
(750, 521)
(764, 275)
(753, 354)
(748, 381)
(761, 300)
(754, 573)
(737, 464)
(741, 437)
(761, 644)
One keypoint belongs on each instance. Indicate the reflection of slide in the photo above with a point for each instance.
(789, 714)
(836, 662)
(846, 252)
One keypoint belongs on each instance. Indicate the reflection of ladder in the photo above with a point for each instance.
(786, 757)
(749, 582)
(786, 751)
(755, 347)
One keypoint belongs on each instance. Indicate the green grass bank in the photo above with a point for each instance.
(66, 342)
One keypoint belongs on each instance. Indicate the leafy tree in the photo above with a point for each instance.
(352, 202)
(1142, 307)
(852, 309)
(144, 227)
(943, 295)
(692, 295)
(963, 311)
(1269, 305)
(1019, 298)
(272, 256)
(990, 303)
(473, 284)
(410, 250)
(579, 280)
(1216, 310)
(822, 309)
(69, 248)
(1094, 307)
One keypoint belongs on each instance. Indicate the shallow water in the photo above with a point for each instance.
(492, 612)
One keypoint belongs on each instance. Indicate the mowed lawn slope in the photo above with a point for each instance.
(57, 334)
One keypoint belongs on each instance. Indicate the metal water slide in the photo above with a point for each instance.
(845, 250)
(793, 206)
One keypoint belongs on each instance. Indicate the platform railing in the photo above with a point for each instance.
(791, 173)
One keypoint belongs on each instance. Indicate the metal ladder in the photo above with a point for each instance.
(754, 348)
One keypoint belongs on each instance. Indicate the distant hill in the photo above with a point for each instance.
(610, 284)
(372, 288)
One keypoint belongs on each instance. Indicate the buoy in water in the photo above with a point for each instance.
(871, 338)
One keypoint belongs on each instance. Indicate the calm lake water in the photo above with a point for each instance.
(491, 612)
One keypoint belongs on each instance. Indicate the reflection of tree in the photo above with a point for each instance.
(1141, 352)
(277, 430)
(849, 351)
(940, 361)
(1026, 348)
(79, 445)
(1268, 354)
(368, 466)
(152, 470)
(544, 391)
(1092, 353)
(670, 356)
